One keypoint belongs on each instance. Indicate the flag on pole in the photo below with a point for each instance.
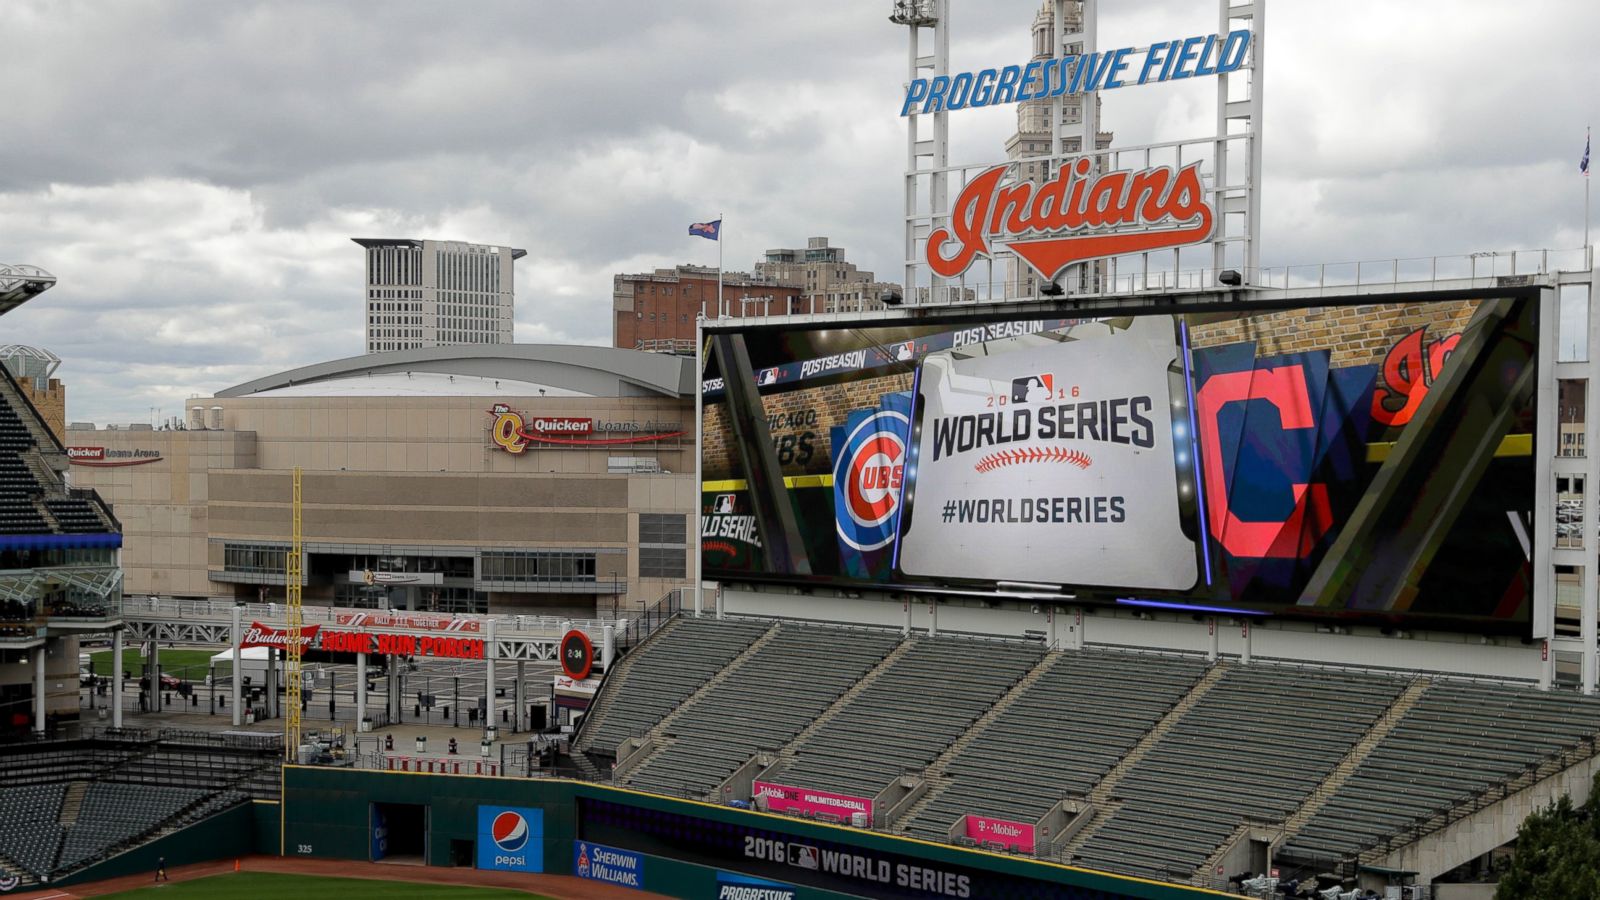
(1583, 164)
(711, 231)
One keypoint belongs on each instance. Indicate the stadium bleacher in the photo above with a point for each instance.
(66, 804)
(1174, 757)
(29, 505)
(891, 728)
(1458, 741)
(762, 706)
(1256, 746)
(1025, 760)
(116, 815)
(682, 654)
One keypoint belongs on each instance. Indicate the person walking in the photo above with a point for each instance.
(161, 869)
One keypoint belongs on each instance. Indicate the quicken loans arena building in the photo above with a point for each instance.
(509, 478)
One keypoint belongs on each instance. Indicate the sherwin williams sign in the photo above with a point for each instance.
(597, 862)
(783, 798)
(510, 839)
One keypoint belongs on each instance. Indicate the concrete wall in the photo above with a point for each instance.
(1502, 658)
(1491, 827)
(163, 505)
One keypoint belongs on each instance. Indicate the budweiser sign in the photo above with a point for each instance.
(1073, 217)
(259, 635)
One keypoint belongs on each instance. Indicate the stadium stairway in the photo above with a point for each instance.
(1100, 796)
(637, 752)
(935, 774)
(72, 803)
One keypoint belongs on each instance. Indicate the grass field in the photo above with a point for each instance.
(253, 885)
(172, 662)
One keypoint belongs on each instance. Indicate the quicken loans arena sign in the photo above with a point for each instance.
(513, 431)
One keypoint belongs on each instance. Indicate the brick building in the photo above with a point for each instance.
(656, 310)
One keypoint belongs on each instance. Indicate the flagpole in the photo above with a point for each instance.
(722, 223)
(1589, 258)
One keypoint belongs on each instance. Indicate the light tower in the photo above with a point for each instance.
(927, 148)
(292, 646)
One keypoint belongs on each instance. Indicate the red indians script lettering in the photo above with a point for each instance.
(1412, 366)
(1073, 201)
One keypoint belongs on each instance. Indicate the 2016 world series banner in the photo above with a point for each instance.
(1365, 462)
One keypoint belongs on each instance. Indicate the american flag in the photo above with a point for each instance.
(1583, 164)
(709, 230)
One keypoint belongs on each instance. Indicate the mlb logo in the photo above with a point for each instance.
(767, 376)
(905, 352)
(1033, 388)
(803, 856)
(723, 505)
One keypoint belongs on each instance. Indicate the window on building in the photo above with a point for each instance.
(662, 562)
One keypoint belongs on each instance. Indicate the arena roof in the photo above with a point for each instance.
(513, 370)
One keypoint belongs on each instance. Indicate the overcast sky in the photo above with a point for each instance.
(192, 171)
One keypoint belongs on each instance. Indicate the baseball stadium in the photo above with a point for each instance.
(1117, 565)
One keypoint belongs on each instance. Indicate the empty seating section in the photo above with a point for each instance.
(768, 700)
(131, 789)
(1060, 736)
(75, 515)
(1457, 741)
(663, 672)
(29, 833)
(196, 767)
(50, 764)
(1255, 746)
(114, 815)
(20, 489)
(909, 714)
(17, 485)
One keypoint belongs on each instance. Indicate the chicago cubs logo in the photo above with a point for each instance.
(510, 831)
(867, 474)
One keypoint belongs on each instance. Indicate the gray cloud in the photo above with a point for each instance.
(192, 171)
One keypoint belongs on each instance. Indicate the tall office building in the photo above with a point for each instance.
(831, 284)
(1036, 135)
(438, 293)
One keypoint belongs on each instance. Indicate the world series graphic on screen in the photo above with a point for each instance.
(1368, 462)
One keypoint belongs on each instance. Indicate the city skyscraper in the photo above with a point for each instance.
(425, 293)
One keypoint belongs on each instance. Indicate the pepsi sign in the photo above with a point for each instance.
(510, 839)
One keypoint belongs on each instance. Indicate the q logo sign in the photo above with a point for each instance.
(867, 472)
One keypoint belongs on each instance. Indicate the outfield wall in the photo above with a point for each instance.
(677, 847)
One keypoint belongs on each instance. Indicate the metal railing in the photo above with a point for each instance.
(1486, 267)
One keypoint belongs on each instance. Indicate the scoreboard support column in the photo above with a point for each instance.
(361, 689)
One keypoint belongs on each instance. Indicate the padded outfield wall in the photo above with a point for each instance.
(676, 847)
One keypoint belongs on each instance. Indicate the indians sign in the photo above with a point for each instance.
(1075, 216)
